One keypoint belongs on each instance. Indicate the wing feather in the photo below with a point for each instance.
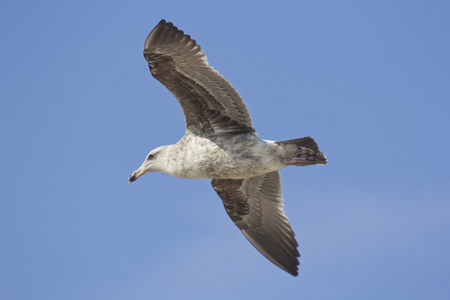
(210, 103)
(256, 206)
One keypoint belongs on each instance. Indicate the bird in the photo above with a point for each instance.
(221, 144)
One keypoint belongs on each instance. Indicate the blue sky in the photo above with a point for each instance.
(79, 110)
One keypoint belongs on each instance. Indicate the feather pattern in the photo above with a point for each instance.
(256, 206)
(210, 103)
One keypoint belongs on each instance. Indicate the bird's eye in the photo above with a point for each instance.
(150, 156)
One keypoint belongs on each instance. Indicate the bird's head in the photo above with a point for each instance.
(151, 163)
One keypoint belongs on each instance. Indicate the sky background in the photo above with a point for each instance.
(79, 111)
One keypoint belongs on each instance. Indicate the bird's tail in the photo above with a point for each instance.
(308, 152)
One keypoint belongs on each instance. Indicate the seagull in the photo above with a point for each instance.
(220, 143)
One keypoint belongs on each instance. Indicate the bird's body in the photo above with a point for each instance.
(220, 143)
(218, 157)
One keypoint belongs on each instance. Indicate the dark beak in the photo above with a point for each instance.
(132, 177)
(136, 174)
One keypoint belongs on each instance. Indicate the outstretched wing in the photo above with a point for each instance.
(210, 103)
(256, 206)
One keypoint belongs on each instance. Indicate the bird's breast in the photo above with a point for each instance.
(223, 157)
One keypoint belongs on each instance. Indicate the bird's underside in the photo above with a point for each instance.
(212, 107)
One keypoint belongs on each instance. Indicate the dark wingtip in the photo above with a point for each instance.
(292, 269)
(157, 33)
(294, 273)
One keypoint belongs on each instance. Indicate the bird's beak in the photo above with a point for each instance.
(136, 174)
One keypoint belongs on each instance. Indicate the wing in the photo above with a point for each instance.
(256, 206)
(210, 103)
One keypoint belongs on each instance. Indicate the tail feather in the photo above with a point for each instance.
(307, 142)
(308, 154)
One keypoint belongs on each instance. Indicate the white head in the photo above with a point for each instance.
(152, 163)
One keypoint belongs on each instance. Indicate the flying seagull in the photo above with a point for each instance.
(220, 143)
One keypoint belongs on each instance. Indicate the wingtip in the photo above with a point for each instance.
(291, 269)
(293, 272)
(157, 32)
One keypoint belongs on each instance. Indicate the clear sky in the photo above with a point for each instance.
(79, 111)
